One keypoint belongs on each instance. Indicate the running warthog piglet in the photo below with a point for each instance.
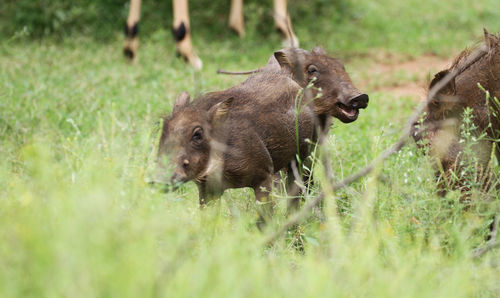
(238, 137)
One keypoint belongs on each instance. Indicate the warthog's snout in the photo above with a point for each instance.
(160, 180)
(162, 186)
(359, 101)
(168, 186)
(178, 178)
(350, 107)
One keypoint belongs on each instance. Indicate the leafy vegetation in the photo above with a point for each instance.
(78, 129)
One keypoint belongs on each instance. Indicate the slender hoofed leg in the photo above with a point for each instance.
(182, 34)
(236, 20)
(284, 24)
(132, 30)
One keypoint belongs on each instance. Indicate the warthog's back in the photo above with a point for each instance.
(269, 105)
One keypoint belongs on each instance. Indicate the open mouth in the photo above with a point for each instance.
(349, 112)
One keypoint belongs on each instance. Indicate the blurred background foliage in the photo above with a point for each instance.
(411, 27)
(61, 18)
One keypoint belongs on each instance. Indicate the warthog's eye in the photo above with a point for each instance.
(197, 136)
(312, 70)
(435, 102)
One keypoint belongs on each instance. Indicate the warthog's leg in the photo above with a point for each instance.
(284, 24)
(131, 30)
(264, 203)
(293, 191)
(182, 34)
(297, 184)
(206, 195)
(236, 20)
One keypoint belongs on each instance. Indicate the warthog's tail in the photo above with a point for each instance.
(248, 72)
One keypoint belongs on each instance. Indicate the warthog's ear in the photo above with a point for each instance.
(218, 113)
(284, 59)
(449, 89)
(290, 60)
(318, 51)
(489, 39)
(181, 102)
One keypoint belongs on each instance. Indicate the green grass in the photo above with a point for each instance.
(78, 128)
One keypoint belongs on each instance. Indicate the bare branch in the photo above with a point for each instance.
(306, 210)
(481, 251)
(492, 243)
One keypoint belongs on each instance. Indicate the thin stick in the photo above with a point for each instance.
(492, 243)
(305, 212)
(481, 251)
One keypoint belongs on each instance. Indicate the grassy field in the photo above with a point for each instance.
(78, 129)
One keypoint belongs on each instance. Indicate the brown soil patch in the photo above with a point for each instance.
(400, 77)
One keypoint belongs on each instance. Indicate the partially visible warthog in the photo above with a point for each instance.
(444, 113)
(238, 137)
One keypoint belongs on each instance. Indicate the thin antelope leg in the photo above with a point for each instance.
(284, 24)
(236, 20)
(132, 30)
(182, 33)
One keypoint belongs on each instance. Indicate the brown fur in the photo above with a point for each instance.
(248, 135)
(262, 110)
(340, 98)
(444, 112)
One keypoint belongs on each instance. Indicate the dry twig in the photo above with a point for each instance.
(492, 243)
